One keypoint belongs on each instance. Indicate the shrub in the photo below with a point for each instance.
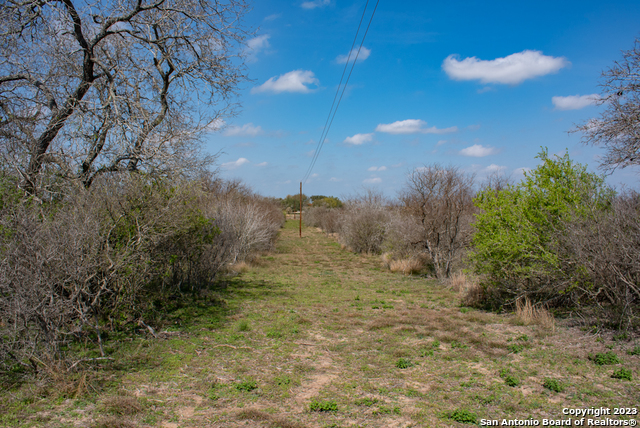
(517, 229)
(363, 226)
(440, 200)
(90, 261)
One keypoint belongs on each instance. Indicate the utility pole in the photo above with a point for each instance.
(301, 209)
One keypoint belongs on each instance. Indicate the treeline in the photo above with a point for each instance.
(561, 237)
(87, 262)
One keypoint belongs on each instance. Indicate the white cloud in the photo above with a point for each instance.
(273, 17)
(574, 102)
(478, 151)
(495, 168)
(377, 168)
(441, 142)
(412, 126)
(235, 164)
(315, 3)
(372, 180)
(358, 139)
(216, 125)
(364, 54)
(335, 179)
(397, 165)
(511, 70)
(293, 81)
(259, 42)
(247, 130)
(262, 164)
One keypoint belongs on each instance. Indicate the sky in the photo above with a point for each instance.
(473, 84)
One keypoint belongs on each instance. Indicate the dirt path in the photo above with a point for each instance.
(315, 336)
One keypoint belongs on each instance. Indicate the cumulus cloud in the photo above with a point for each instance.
(511, 70)
(358, 139)
(364, 54)
(372, 180)
(247, 130)
(235, 164)
(478, 151)
(377, 168)
(495, 168)
(293, 81)
(412, 126)
(262, 164)
(574, 102)
(315, 3)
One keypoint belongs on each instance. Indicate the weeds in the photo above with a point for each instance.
(509, 378)
(323, 406)
(634, 351)
(605, 358)
(247, 385)
(622, 373)
(463, 416)
(553, 385)
(404, 363)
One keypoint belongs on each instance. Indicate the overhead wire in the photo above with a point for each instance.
(332, 111)
(335, 97)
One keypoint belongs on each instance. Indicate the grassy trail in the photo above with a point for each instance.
(315, 336)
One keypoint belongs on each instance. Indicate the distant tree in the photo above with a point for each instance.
(618, 128)
(293, 202)
(326, 201)
(441, 200)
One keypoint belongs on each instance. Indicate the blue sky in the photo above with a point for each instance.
(475, 84)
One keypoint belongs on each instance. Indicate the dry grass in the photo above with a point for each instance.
(114, 422)
(122, 405)
(240, 267)
(528, 314)
(406, 266)
(467, 287)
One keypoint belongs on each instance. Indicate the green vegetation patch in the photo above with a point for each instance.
(622, 373)
(463, 416)
(553, 385)
(323, 406)
(605, 358)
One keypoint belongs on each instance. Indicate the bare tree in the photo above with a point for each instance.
(92, 87)
(441, 199)
(618, 128)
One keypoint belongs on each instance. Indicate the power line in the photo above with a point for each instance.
(329, 121)
(335, 97)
